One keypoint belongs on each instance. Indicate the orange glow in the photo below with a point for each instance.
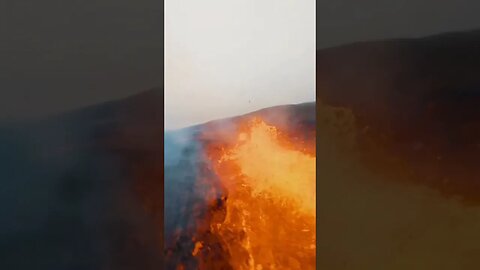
(270, 220)
(198, 246)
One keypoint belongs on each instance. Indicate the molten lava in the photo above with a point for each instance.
(270, 200)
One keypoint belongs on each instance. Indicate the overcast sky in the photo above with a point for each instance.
(346, 21)
(59, 55)
(225, 58)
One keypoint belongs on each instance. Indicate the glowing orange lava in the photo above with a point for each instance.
(270, 207)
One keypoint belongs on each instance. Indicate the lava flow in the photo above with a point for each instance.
(269, 206)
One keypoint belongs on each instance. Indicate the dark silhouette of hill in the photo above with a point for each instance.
(416, 99)
(85, 189)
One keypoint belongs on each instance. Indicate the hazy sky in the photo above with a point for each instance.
(59, 55)
(346, 21)
(225, 58)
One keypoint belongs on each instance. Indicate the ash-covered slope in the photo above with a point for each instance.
(398, 154)
(85, 189)
(418, 100)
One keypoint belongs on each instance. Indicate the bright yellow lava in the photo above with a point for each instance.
(270, 222)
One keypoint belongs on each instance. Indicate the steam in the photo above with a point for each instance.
(185, 167)
(194, 195)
